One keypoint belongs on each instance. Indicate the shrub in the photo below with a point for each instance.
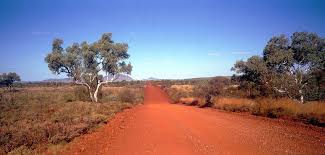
(189, 101)
(209, 89)
(175, 93)
(127, 95)
(81, 93)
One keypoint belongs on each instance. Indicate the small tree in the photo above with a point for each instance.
(84, 62)
(9, 79)
(210, 88)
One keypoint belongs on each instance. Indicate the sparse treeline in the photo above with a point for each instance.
(289, 67)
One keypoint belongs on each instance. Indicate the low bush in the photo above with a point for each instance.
(123, 94)
(127, 95)
(189, 101)
(176, 93)
(81, 93)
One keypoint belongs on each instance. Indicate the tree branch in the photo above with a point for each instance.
(82, 83)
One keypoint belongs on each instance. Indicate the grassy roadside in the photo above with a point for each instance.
(42, 117)
(309, 113)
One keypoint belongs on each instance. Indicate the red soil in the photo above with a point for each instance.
(158, 127)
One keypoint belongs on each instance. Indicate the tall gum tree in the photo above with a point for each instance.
(288, 65)
(308, 57)
(84, 62)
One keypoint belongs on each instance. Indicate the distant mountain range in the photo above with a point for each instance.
(63, 80)
(151, 79)
(120, 77)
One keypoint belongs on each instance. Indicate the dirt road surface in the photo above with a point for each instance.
(158, 127)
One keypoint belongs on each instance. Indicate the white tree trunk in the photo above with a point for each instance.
(94, 96)
(301, 96)
(98, 86)
(96, 93)
(97, 90)
(91, 96)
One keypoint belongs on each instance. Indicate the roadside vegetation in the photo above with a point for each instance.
(48, 115)
(38, 117)
(232, 98)
(287, 82)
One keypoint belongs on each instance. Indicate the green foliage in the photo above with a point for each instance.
(87, 58)
(254, 69)
(84, 61)
(8, 79)
(210, 88)
(289, 67)
(277, 54)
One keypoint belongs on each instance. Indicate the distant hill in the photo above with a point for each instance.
(121, 77)
(151, 79)
(208, 78)
(63, 80)
(196, 78)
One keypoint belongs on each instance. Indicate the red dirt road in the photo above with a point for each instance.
(157, 127)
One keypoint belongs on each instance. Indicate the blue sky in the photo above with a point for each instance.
(167, 38)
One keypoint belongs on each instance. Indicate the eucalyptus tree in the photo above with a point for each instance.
(308, 58)
(287, 65)
(86, 62)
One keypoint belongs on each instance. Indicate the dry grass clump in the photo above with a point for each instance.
(234, 104)
(189, 101)
(176, 92)
(123, 94)
(127, 95)
(185, 88)
(38, 117)
(309, 113)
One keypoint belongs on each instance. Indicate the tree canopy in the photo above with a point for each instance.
(288, 66)
(8, 79)
(84, 62)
